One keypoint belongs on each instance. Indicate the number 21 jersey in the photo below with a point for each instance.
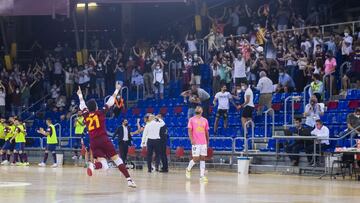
(95, 122)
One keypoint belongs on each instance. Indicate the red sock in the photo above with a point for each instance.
(123, 170)
(98, 165)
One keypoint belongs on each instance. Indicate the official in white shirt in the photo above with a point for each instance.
(151, 138)
(248, 105)
(265, 86)
(323, 133)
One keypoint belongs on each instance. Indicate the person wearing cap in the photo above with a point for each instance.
(265, 86)
(151, 138)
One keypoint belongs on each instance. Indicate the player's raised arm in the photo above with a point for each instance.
(82, 105)
(111, 100)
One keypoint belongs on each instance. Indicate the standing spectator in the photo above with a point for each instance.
(224, 73)
(2, 100)
(248, 105)
(196, 70)
(194, 101)
(313, 111)
(120, 73)
(346, 46)
(323, 133)
(191, 43)
(158, 82)
(16, 102)
(215, 75)
(286, 83)
(352, 75)
(148, 77)
(224, 97)
(265, 86)
(198, 130)
(330, 66)
(25, 94)
(151, 135)
(239, 69)
(316, 87)
(204, 99)
(69, 82)
(123, 134)
(57, 71)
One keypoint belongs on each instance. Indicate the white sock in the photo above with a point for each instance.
(118, 162)
(202, 168)
(191, 164)
(104, 164)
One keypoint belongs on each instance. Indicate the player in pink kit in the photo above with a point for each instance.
(100, 144)
(198, 129)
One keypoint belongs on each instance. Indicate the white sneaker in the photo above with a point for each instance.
(74, 157)
(90, 169)
(131, 184)
(204, 179)
(54, 166)
(188, 174)
(42, 164)
(5, 162)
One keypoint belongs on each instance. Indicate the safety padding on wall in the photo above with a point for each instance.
(8, 62)
(13, 50)
(198, 23)
(79, 58)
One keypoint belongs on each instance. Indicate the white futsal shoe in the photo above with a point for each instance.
(131, 184)
(42, 164)
(90, 169)
(204, 179)
(54, 165)
(188, 174)
(5, 162)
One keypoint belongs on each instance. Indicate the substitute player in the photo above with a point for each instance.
(9, 145)
(100, 143)
(2, 133)
(198, 129)
(51, 143)
(19, 137)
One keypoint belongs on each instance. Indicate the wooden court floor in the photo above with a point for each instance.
(70, 184)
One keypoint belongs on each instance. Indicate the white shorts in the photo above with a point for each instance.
(199, 150)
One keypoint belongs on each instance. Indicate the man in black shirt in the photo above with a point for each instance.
(148, 77)
(298, 145)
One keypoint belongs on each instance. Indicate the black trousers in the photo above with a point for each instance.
(123, 150)
(153, 145)
(295, 148)
(162, 156)
(310, 150)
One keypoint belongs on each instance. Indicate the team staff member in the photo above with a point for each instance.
(51, 143)
(124, 137)
(323, 133)
(164, 137)
(151, 139)
(19, 137)
(198, 129)
(79, 133)
(248, 105)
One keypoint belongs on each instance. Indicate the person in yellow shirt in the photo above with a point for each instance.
(2, 133)
(9, 144)
(51, 142)
(79, 134)
(19, 137)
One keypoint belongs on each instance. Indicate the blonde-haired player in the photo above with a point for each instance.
(198, 130)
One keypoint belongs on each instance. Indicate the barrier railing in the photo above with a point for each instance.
(252, 135)
(71, 120)
(38, 138)
(305, 92)
(138, 92)
(171, 63)
(34, 104)
(272, 122)
(127, 94)
(347, 64)
(293, 99)
(330, 84)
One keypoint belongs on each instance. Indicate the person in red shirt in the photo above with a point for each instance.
(100, 143)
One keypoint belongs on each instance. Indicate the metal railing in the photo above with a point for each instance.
(347, 64)
(272, 122)
(171, 63)
(38, 138)
(245, 135)
(138, 92)
(201, 47)
(127, 94)
(71, 125)
(34, 104)
(293, 99)
(330, 83)
(305, 92)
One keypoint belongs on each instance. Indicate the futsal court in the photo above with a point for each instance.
(71, 184)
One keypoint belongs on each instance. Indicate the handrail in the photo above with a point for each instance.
(347, 64)
(293, 99)
(252, 135)
(32, 105)
(304, 94)
(71, 125)
(330, 83)
(266, 121)
(106, 98)
(169, 69)
(138, 94)
(41, 140)
(202, 47)
(127, 94)
(60, 132)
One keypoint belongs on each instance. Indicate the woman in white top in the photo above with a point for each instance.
(158, 82)
(248, 105)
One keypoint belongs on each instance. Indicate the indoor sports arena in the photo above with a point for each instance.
(179, 101)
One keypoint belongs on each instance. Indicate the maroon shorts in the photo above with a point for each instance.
(102, 147)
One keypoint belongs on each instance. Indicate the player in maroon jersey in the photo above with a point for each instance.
(100, 144)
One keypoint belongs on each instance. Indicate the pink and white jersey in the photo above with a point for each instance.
(198, 126)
